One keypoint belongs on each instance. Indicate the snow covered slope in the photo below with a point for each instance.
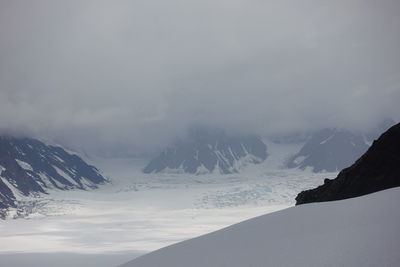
(28, 166)
(207, 151)
(355, 232)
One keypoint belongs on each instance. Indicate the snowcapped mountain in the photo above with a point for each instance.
(354, 232)
(28, 166)
(205, 151)
(330, 150)
(377, 169)
(333, 149)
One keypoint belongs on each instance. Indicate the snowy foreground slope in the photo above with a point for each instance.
(355, 232)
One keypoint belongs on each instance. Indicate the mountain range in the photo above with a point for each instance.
(207, 150)
(29, 167)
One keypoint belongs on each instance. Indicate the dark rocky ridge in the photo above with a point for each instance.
(205, 151)
(377, 169)
(28, 166)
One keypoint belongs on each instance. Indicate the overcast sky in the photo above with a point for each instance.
(137, 73)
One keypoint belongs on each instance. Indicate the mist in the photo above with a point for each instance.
(104, 75)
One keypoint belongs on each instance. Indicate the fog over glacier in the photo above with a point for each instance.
(134, 74)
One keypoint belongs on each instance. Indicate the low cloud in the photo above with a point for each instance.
(134, 74)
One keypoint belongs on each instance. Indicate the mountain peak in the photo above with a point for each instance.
(208, 151)
(29, 166)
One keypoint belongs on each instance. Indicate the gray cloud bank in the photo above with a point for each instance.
(137, 73)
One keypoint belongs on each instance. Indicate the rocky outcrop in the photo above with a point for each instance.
(377, 169)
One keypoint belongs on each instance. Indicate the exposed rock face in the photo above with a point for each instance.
(377, 169)
(28, 166)
(208, 151)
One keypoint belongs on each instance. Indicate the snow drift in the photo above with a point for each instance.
(354, 232)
